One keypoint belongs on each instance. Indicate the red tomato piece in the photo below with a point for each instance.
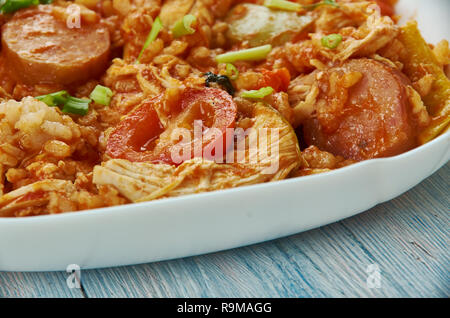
(386, 7)
(277, 79)
(141, 136)
(133, 132)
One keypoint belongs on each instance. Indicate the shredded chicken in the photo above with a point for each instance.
(380, 92)
(269, 161)
(376, 32)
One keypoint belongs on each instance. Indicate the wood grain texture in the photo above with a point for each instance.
(50, 285)
(406, 237)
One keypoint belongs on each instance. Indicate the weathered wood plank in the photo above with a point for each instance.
(51, 284)
(407, 238)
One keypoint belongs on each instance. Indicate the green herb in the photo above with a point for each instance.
(322, 3)
(331, 41)
(54, 99)
(222, 80)
(76, 106)
(101, 95)
(10, 6)
(69, 104)
(253, 54)
(258, 94)
(283, 5)
(156, 28)
(231, 71)
(184, 26)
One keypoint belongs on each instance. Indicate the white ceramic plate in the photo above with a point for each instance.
(208, 222)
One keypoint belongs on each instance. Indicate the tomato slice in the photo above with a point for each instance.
(386, 7)
(141, 137)
(277, 79)
(133, 132)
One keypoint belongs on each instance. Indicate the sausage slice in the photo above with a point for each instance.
(375, 118)
(41, 49)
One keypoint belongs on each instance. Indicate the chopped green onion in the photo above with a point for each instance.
(282, 5)
(76, 106)
(331, 41)
(156, 28)
(253, 54)
(231, 71)
(322, 3)
(184, 26)
(258, 94)
(101, 95)
(54, 99)
(68, 103)
(47, 99)
(11, 6)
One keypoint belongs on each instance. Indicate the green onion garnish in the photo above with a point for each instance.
(283, 5)
(54, 99)
(10, 6)
(184, 26)
(231, 71)
(13, 5)
(68, 103)
(253, 54)
(258, 94)
(156, 28)
(76, 106)
(331, 41)
(322, 3)
(101, 95)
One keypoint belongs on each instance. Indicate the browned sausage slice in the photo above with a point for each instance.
(41, 48)
(375, 119)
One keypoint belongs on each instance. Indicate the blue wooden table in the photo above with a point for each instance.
(406, 240)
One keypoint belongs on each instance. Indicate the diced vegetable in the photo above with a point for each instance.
(386, 7)
(259, 25)
(437, 126)
(283, 5)
(54, 99)
(184, 26)
(253, 54)
(278, 79)
(10, 6)
(232, 71)
(76, 106)
(69, 104)
(13, 5)
(156, 28)
(331, 41)
(131, 137)
(259, 94)
(323, 3)
(101, 95)
(418, 61)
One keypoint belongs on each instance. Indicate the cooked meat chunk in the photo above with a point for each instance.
(41, 48)
(362, 111)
